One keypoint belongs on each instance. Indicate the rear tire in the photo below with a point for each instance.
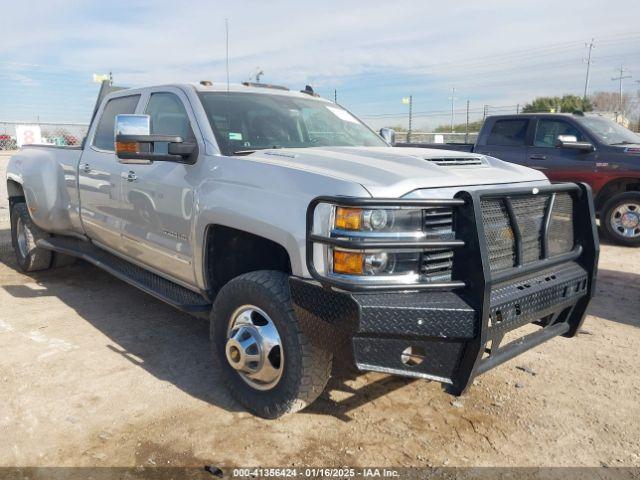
(304, 369)
(621, 219)
(24, 235)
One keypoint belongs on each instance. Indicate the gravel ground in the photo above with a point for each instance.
(96, 373)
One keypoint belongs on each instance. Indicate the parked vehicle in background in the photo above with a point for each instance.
(7, 142)
(303, 236)
(572, 148)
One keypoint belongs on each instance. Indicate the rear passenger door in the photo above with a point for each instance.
(506, 140)
(560, 164)
(99, 176)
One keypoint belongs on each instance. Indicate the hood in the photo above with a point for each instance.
(395, 171)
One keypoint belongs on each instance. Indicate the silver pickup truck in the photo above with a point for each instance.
(306, 238)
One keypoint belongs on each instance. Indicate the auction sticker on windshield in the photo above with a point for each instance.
(342, 114)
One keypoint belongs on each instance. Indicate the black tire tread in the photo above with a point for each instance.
(315, 364)
(37, 258)
(604, 219)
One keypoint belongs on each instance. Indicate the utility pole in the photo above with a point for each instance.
(484, 112)
(410, 118)
(620, 79)
(453, 99)
(226, 29)
(466, 130)
(590, 46)
(517, 109)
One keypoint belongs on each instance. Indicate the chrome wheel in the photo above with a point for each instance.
(21, 235)
(254, 348)
(625, 220)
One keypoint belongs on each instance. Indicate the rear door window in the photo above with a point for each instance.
(508, 132)
(547, 132)
(104, 136)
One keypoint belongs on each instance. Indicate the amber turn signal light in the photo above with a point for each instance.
(349, 263)
(127, 147)
(348, 218)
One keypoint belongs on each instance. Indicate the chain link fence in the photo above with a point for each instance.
(14, 134)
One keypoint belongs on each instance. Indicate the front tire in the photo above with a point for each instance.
(265, 359)
(621, 219)
(24, 235)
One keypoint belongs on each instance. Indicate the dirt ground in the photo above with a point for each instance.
(96, 373)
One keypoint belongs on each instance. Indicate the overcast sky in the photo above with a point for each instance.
(499, 53)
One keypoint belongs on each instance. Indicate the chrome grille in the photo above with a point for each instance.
(436, 264)
(529, 214)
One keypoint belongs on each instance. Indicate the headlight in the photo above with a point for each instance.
(390, 243)
(371, 224)
(378, 220)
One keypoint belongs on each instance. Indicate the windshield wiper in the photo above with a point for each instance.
(623, 143)
(253, 150)
(244, 152)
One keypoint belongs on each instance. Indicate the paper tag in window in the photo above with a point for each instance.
(235, 136)
(342, 114)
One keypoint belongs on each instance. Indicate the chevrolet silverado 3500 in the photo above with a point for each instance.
(304, 236)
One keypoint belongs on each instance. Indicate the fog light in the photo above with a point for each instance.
(376, 263)
(349, 263)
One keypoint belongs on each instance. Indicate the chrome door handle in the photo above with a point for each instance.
(86, 168)
(538, 156)
(130, 176)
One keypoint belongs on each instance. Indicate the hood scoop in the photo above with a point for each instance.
(455, 161)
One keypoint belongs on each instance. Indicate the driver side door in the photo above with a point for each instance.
(560, 164)
(158, 197)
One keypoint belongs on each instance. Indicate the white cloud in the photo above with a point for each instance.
(499, 50)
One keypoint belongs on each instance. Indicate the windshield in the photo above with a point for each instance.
(609, 132)
(245, 122)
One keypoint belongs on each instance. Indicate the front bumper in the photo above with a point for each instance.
(458, 333)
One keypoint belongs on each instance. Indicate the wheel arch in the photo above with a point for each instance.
(230, 252)
(615, 187)
(15, 192)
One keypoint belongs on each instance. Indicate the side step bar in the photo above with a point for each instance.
(180, 297)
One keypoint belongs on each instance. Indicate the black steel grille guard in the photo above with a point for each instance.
(471, 264)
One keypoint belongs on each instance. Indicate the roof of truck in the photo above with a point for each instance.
(263, 89)
(539, 114)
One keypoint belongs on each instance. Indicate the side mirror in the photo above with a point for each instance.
(135, 144)
(571, 142)
(389, 135)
